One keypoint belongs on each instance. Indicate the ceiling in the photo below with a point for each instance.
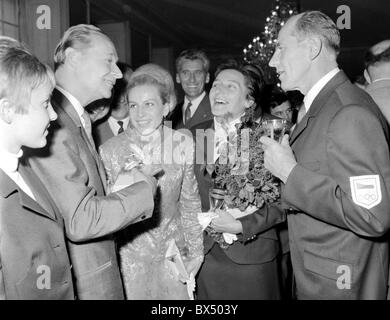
(225, 27)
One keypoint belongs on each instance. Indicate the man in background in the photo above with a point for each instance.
(192, 72)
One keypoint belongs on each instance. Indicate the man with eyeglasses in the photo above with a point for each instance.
(192, 67)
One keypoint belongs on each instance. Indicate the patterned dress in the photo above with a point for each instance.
(142, 247)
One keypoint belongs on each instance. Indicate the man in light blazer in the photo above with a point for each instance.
(335, 169)
(192, 72)
(34, 261)
(86, 70)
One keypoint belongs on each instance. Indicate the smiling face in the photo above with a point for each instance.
(291, 59)
(146, 108)
(228, 95)
(97, 70)
(192, 78)
(31, 127)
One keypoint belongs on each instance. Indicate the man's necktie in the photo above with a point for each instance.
(187, 113)
(88, 127)
(120, 130)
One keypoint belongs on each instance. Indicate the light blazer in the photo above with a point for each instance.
(202, 114)
(32, 243)
(102, 132)
(74, 175)
(259, 242)
(334, 241)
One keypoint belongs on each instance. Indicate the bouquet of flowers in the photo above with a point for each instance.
(240, 172)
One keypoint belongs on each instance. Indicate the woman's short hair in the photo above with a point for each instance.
(154, 74)
(253, 77)
(20, 74)
(77, 37)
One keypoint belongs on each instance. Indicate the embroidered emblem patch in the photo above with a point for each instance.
(366, 190)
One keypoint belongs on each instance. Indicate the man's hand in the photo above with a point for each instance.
(140, 176)
(278, 158)
(225, 222)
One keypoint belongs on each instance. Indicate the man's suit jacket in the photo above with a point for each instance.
(259, 241)
(102, 132)
(74, 175)
(337, 241)
(34, 262)
(202, 114)
(380, 92)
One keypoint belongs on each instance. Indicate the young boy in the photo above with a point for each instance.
(34, 262)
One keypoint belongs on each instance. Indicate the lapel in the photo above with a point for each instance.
(39, 191)
(318, 104)
(8, 187)
(62, 102)
(202, 113)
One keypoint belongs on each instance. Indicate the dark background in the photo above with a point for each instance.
(225, 27)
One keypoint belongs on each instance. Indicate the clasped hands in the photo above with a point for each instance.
(278, 157)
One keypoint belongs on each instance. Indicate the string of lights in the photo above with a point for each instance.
(262, 47)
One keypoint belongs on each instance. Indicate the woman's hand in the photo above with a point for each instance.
(225, 222)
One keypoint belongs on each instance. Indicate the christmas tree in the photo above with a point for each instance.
(262, 47)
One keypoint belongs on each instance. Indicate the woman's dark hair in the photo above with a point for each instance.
(253, 76)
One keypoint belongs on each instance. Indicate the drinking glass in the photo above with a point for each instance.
(216, 198)
(276, 128)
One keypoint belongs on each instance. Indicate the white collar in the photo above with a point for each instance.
(113, 123)
(9, 161)
(73, 100)
(231, 126)
(194, 103)
(315, 90)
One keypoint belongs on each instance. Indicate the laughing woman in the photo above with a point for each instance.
(143, 246)
(248, 268)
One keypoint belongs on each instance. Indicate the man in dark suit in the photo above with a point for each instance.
(247, 269)
(117, 119)
(335, 169)
(86, 70)
(192, 72)
(34, 262)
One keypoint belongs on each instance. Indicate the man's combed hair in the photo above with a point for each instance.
(193, 54)
(78, 37)
(319, 24)
(20, 73)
